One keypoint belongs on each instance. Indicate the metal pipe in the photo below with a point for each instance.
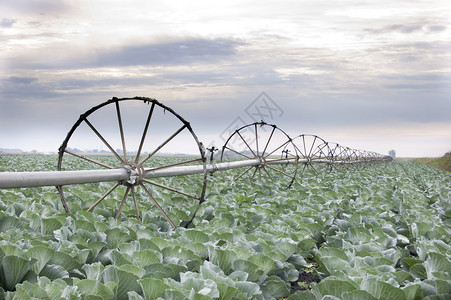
(190, 170)
(55, 178)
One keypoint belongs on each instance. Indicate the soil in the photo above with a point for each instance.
(304, 277)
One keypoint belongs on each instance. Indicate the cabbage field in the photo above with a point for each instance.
(381, 231)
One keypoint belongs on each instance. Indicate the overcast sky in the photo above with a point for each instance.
(373, 75)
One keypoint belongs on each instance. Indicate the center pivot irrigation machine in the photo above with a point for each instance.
(157, 165)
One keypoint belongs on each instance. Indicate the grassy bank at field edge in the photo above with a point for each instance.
(443, 163)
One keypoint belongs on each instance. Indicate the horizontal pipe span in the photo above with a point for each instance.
(190, 170)
(54, 178)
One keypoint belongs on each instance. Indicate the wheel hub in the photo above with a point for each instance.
(136, 174)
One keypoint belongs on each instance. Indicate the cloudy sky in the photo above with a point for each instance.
(373, 75)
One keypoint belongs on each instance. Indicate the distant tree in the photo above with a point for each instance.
(447, 153)
(392, 153)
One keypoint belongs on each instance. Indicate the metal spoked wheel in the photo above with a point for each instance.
(338, 155)
(314, 153)
(343, 157)
(354, 158)
(269, 147)
(143, 136)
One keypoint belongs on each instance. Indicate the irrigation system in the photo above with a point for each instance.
(134, 161)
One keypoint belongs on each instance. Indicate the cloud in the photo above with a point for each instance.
(436, 28)
(180, 52)
(403, 28)
(409, 28)
(172, 53)
(25, 88)
(423, 81)
(7, 23)
(38, 6)
(21, 80)
(416, 86)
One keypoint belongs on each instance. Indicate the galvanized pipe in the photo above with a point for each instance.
(190, 170)
(55, 178)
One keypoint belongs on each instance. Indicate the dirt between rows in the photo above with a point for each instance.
(303, 282)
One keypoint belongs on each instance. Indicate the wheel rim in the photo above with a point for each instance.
(267, 143)
(314, 153)
(141, 138)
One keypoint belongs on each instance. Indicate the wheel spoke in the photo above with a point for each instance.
(238, 153)
(146, 127)
(256, 138)
(269, 139)
(311, 148)
(246, 143)
(320, 150)
(173, 165)
(103, 197)
(303, 143)
(194, 215)
(283, 145)
(121, 129)
(339, 153)
(303, 169)
(158, 206)
(314, 169)
(63, 199)
(103, 140)
(88, 159)
(136, 204)
(255, 172)
(239, 176)
(267, 173)
(332, 152)
(122, 203)
(171, 189)
(281, 172)
(163, 144)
